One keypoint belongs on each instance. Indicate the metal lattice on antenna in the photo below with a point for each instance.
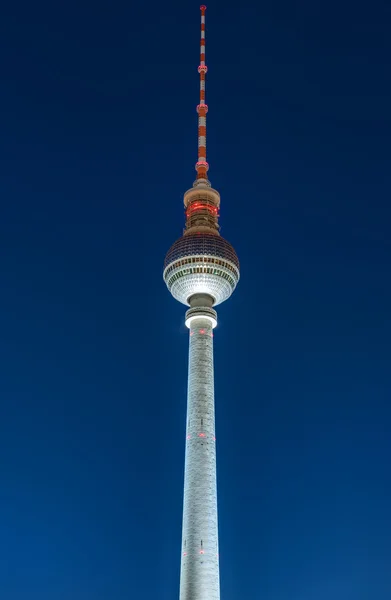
(202, 166)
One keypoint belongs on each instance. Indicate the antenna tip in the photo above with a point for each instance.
(203, 7)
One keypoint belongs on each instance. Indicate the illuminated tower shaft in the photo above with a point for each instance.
(200, 561)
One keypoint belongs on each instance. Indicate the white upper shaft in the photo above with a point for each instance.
(200, 561)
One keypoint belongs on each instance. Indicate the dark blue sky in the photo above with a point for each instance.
(97, 146)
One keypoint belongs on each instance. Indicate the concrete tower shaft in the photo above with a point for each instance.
(200, 560)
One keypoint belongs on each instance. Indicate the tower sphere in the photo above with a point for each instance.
(201, 263)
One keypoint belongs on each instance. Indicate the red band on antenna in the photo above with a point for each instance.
(202, 109)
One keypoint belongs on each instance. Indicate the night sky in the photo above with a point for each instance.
(97, 146)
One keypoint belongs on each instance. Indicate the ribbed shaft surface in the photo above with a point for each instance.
(200, 561)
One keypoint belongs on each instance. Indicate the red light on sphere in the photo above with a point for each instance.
(197, 206)
(202, 330)
(202, 551)
(188, 437)
(202, 435)
(185, 554)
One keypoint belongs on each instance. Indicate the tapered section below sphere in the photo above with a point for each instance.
(200, 560)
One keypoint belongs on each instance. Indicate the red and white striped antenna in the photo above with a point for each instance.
(202, 166)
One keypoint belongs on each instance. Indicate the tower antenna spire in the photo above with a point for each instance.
(202, 166)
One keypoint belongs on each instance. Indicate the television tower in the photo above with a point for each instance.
(201, 270)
